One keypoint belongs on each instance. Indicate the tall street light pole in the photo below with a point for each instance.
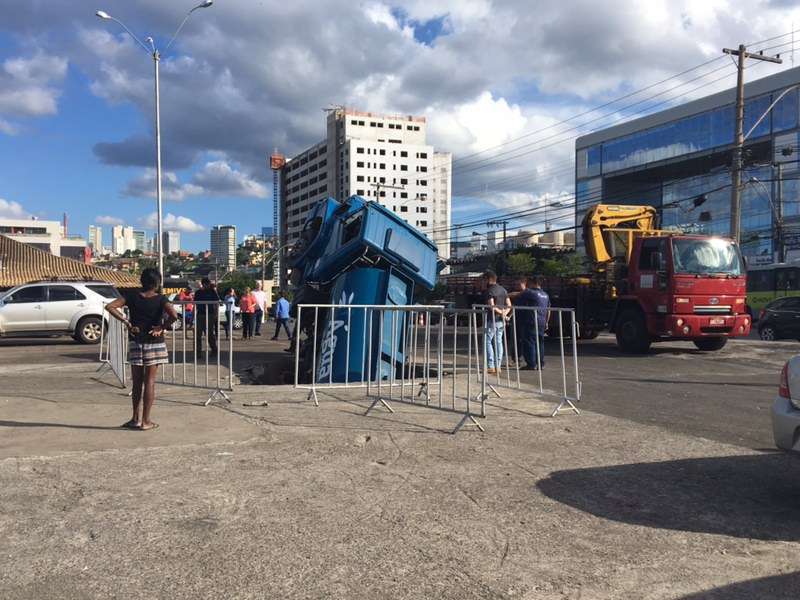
(156, 55)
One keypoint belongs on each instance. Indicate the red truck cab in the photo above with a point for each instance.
(682, 287)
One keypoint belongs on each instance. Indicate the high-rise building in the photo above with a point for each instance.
(139, 240)
(171, 241)
(122, 239)
(223, 246)
(96, 238)
(379, 157)
(117, 241)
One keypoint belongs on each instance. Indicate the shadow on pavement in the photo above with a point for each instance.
(63, 425)
(755, 496)
(776, 587)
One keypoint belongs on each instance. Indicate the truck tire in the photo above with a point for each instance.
(632, 336)
(711, 344)
(88, 330)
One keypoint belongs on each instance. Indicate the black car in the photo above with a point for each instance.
(780, 319)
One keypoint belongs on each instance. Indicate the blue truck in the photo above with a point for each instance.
(356, 252)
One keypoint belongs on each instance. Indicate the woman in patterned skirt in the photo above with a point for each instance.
(150, 315)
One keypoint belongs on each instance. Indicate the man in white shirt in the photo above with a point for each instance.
(261, 306)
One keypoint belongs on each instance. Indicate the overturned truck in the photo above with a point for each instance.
(353, 255)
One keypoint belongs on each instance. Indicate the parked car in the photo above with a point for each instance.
(786, 407)
(56, 307)
(780, 319)
(237, 315)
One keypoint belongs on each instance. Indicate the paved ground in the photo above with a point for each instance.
(639, 497)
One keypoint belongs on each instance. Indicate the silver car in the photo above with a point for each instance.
(786, 407)
(56, 308)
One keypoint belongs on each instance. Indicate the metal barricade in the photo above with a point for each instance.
(113, 348)
(194, 346)
(526, 326)
(420, 355)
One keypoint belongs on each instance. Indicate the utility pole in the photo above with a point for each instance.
(737, 164)
(379, 186)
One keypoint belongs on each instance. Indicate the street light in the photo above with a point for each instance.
(152, 51)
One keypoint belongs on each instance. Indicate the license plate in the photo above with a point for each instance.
(717, 321)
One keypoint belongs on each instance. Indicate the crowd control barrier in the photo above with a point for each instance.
(523, 330)
(196, 355)
(113, 348)
(195, 348)
(420, 355)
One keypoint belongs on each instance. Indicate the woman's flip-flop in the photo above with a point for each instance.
(131, 425)
(149, 427)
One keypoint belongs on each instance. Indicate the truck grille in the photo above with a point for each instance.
(712, 310)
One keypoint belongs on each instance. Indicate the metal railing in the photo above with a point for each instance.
(420, 355)
(527, 326)
(113, 348)
(194, 346)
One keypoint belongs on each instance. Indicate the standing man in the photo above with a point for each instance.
(282, 316)
(206, 309)
(496, 298)
(261, 306)
(534, 325)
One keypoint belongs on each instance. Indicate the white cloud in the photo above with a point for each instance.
(144, 186)
(12, 210)
(216, 179)
(8, 128)
(108, 220)
(170, 222)
(219, 178)
(27, 85)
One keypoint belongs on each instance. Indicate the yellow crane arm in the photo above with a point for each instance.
(601, 217)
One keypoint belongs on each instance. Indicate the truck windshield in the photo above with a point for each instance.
(706, 257)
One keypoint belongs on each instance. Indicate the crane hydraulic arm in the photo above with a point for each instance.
(603, 217)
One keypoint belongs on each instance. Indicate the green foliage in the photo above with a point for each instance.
(565, 265)
(237, 280)
(520, 264)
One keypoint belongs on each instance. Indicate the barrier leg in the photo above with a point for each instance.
(468, 418)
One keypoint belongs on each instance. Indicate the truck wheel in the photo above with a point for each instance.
(711, 344)
(632, 333)
(589, 334)
(88, 330)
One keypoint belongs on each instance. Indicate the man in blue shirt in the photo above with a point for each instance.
(282, 316)
(532, 322)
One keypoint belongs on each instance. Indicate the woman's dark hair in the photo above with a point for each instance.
(151, 279)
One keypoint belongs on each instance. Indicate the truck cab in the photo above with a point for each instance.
(681, 287)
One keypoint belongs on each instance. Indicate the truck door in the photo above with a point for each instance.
(650, 276)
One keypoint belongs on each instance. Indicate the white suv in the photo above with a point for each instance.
(56, 307)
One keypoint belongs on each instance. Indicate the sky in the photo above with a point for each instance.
(506, 86)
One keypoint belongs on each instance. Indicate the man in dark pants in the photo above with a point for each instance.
(533, 322)
(206, 309)
(282, 316)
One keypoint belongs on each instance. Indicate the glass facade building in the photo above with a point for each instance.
(678, 160)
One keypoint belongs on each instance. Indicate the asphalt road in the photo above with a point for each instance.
(723, 396)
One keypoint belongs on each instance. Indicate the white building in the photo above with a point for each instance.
(96, 239)
(171, 241)
(379, 157)
(45, 235)
(223, 245)
(122, 239)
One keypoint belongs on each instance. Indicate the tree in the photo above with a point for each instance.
(520, 263)
(237, 280)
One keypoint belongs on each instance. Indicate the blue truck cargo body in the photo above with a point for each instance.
(359, 252)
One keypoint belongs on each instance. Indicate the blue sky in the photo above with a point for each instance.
(244, 78)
